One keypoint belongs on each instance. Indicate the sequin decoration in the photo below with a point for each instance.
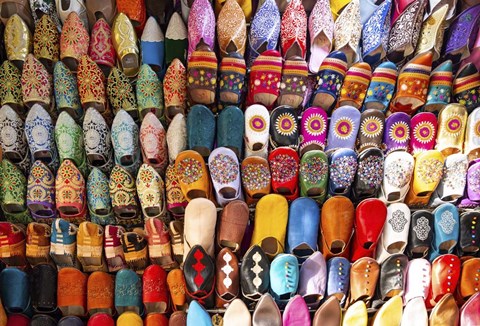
(398, 173)
(447, 222)
(286, 124)
(284, 168)
(474, 180)
(255, 176)
(314, 170)
(424, 132)
(430, 170)
(315, 124)
(223, 169)
(189, 170)
(342, 171)
(344, 128)
(398, 221)
(422, 228)
(399, 132)
(370, 171)
(454, 175)
(257, 123)
(371, 127)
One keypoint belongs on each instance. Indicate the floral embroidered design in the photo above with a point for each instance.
(96, 134)
(424, 132)
(154, 142)
(286, 124)
(45, 39)
(124, 135)
(257, 123)
(422, 228)
(430, 170)
(174, 193)
(122, 187)
(98, 197)
(454, 175)
(398, 221)
(91, 82)
(74, 39)
(371, 127)
(344, 128)
(399, 132)
(69, 139)
(12, 135)
(315, 125)
(120, 91)
(348, 27)
(149, 91)
(294, 27)
(474, 180)
(65, 89)
(10, 84)
(13, 185)
(264, 29)
(379, 21)
(101, 48)
(175, 85)
(201, 26)
(453, 125)
(41, 186)
(149, 187)
(36, 82)
(447, 222)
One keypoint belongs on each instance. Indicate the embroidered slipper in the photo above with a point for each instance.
(452, 121)
(11, 87)
(440, 88)
(14, 190)
(329, 80)
(176, 137)
(231, 85)
(125, 139)
(370, 135)
(201, 125)
(113, 248)
(293, 31)
(193, 176)
(231, 29)
(125, 44)
(155, 295)
(18, 40)
(12, 250)
(426, 176)
(36, 84)
(202, 75)
(283, 127)
(91, 85)
(101, 48)
(100, 298)
(41, 193)
(246, 6)
(474, 56)
(435, 5)
(70, 193)
(265, 78)
(344, 126)
(124, 197)
(98, 198)
(176, 40)
(12, 139)
(63, 244)
(466, 87)
(46, 46)
(406, 23)
(397, 133)
(264, 30)
(151, 193)
(74, 41)
(257, 127)
(472, 135)
(66, 91)
(423, 132)
(313, 130)
(44, 290)
(128, 287)
(293, 86)
(347, 31)
(176, 202)
(152, 46)
(431, 34)
(225, 174)
(90, 247)
(284, 163)
(412, 86)
(320, 27)
(69, 139)
(149, 91)
(460, 37)
(97, 140)
(255, 178)
(201, 26)
(153, 142)
(231, 135)
(375, 33)
(314, 175)
(382, 87)
(342, 169)
(355, 84)
(175, 89)
(121, 94)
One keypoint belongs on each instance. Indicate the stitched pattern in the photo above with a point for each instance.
(422, 228)
(447, 222)
(398, 221)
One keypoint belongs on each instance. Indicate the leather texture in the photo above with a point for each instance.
(421, 234)
(199, 270)
(266, 312)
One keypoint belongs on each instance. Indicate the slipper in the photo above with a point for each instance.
(149, 91)
(283, 128)
(472, 136)
(63, 244)
(125, 44)
(36, 84)
(12, 139)
(228, 134)
(313, 130)
(91, 85)
(293, 86)
(193, 176)
(375, 33)
(338, 282)
(431, 34)
(460, 37)
(406, 23)
(46, 46)
(90, 247)
(454, 180)
(14, 190)
(135, 247)
(368, 178)
(231, 84)
(202, 76)
(320, 27)
(344, 126)
(13, 250)
(257, 127)
(440, 89)
(64, 8)
(113, 248)
(201, 26)
(175, 89)
(382, 87)
(342, 169)
(155, 295)
(314, 175)
(446, 230)
(329, 80)
(153, 143)
(398, 172)
(452, 121)
(176, 202)
(66, 91)
(69, 140)
(284, 164)
(245, 5)
(125, 139)
(412, 86)
(355, 84)
(474, 56)
(423, 132)
(255, 178)
(200, 215)
(18, 40)
(176, 42)
(466, 87)
(100, 298)
(201, 125)
(293, 31)
(159, 245)
(419, 241)
(370, 135)
(150, 191)
(98, 198)
(264, 30)
(128, 295)
(97, 140)
(121, 94)
(41, 193)
(347, 31)
(11, 87)
(265, 78)
(225, 174)
(74, 41)
(232, 225)
(435, 5)
(231, 29)
(152, 45)
(71, 193)
(397, 133)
